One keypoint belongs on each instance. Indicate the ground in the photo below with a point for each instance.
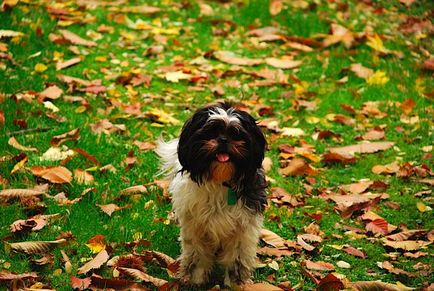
(342, 89)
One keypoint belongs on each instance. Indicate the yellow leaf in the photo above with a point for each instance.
(39, 68)
(378, 78)
(422, 207)
(101, 59)
(96, 247)
(375, 43)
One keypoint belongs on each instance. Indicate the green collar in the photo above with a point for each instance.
(232, 195)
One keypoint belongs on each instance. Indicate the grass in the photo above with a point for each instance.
(126, 49)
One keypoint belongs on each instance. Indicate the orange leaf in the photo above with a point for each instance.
(54, 174)
(95, 263)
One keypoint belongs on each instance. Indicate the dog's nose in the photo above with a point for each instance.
(222, 139)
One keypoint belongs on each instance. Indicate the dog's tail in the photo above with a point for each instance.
(168, 153)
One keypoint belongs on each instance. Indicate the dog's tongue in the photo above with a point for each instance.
(223, 157)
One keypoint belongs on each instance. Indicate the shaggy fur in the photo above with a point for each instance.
(219, 148)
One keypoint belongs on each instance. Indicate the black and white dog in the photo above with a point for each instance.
(218, 192)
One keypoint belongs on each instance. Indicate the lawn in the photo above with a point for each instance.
(343, 91)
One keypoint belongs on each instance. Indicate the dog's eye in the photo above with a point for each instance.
(235, 133)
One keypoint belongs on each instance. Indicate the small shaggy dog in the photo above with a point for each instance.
(218, 189)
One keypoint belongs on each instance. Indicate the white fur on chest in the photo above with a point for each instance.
(206, 211)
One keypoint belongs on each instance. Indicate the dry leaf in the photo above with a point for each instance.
(14, 143)
(283, 63)
(407, 245)
(377, 285)
(319, 266)
(145, 146)
(361, 71)
(230, 58)
(36, 247)
(363, 148)
(275, 7)
(260, 287)
(17, 193)
(52, 92)
(95, 263)
(75, 39)
(339, 34)
(134, 190)
(272, 238)
(70, 135)
(142, 276)
(8, 276)
(67, 64)
(83, 177)
(110, 208)
(80, 284)
(391, 168)
(54, 174)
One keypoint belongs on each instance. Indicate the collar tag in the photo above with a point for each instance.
(232, 197)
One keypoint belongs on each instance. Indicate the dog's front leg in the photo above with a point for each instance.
(196, 261)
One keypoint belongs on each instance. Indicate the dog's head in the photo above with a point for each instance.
(222, 144)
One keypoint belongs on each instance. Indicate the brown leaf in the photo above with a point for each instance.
(275, 7)
(52, 92)
(378, 226)
(280, 196)
(14, 143)
(17, 193)
(116, 284)
(347, 204)
(163, 259)
(363, 148)
(267, 251)
(260, 287)
(70, 135)
(67, 64)
(105, 126)
(298, 166)
(389, 267)
(283, 63)
(230, 58)
(373, 134)
(361, 71)
(31, 224)
(75, 39)
(405, 235)
(83, 177)
(339, 34)
(142, 276)
(110, 208)
(407, 245)
(272, 238)
(428, 64)
(330, 283)
(80, 284)
(144, 146)
(376, 286)
(54, 174)
(2, 118)
(334, 158)
(95, 263)
(8, 276)
(302, 238)
(134, 190)
(391, 168)
(353, 251)
(408, 105)
(356, 188)
(319, 266)
(35, 247)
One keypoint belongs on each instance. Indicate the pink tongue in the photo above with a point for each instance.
(222, 158)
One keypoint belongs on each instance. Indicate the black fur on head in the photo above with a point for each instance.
(220, 133)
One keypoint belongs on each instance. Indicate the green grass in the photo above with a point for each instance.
(199, 36)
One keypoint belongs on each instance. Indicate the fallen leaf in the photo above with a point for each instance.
(80, 284)
(54, 174)
(9, 33)
(176, 76)
(361, 71)
(230, 58)
(377, 285)
(378, 226)
(8, 276)
(260, 287)
(353, 251)
(52, 92)
(14, 143)
(145, 146)
(83, 177)
(67, 64)
(378, 78)
(35, 247)
(75, 39)
(283, 63)
(95, 263)
(7, 194)
(272, 238)
(298, 166)
(70, 135)
(363, 148)
(275, 7)
(391, 168)
(407, 245)
(319, 266)
(339, 34)
(142, 276)
(134, 190)
(110, 208)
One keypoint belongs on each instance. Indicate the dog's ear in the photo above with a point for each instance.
(189, 129)
(258, 141)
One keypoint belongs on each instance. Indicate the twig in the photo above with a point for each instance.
(29, 130)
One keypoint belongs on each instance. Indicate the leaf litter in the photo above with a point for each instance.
(218, 71)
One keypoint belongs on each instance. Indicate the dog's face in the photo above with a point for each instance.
(222, 144)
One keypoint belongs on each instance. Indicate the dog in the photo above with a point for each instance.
(218, 192)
